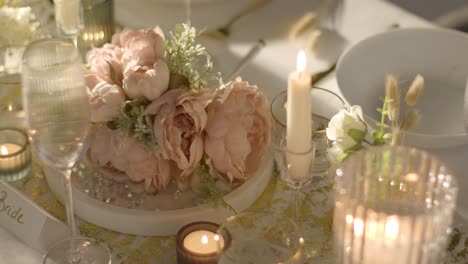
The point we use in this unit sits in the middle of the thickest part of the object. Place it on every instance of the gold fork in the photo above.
(225, 30)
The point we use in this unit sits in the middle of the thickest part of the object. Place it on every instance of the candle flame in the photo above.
(204, 239)
(216, 237)
(301, 61)
(391, 228)
(10, 107)
(4, 150)
(358, 227)
(411, 177)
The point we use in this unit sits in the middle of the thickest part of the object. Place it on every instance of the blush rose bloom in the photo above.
(179, 121)
(102, 62)
(125, 154)
(143, 81)
(105, 101)
(238, 131)
(145, 46)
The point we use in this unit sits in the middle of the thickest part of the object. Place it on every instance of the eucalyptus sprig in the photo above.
(184, 56)
(206, 187)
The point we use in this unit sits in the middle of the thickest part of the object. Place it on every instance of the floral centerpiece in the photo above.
(161, 115)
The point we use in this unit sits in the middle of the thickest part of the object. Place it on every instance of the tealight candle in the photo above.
(15, 155)
(198, 243)
(203, 242)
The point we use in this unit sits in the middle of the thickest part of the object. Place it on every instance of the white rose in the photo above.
(347, 128)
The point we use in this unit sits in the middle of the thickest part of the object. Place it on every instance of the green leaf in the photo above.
(357, 135)
(206, 187)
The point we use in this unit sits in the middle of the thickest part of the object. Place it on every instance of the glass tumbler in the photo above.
(393, 205)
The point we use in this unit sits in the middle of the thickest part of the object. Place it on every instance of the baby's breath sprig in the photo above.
(183, 56)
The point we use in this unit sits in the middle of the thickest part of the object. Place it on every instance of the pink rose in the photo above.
(178, 124)
(105, 101)
(125, 154)
(102, 62)
(145, 46)
(238, 131)
(149, 82)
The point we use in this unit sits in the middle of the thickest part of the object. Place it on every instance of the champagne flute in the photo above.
(57, 114)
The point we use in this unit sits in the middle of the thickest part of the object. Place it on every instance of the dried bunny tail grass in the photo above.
(308, 20)
(313, 39)
(392, 92)
(411, 120)
(415, 90)
(396, 136)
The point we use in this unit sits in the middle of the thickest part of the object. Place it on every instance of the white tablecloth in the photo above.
(360, 19)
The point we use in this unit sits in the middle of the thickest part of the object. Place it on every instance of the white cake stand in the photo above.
(159, 222)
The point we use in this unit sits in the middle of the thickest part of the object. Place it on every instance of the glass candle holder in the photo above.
(15, 155)
(98, 24)
(325, 104)
(393, 205)
(198, 243)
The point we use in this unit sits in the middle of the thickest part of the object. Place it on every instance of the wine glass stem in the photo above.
(295, 204)
(69, 203)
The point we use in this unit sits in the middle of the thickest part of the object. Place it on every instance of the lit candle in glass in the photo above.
(15, 155)
(299, 119)
(393, 204)
(199, 243)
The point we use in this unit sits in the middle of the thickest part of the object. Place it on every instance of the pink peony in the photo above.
(145, 46)
(238, 131)
(105, 102)
(149, 82)
(127, 155)
(179, 121)
(103, 61)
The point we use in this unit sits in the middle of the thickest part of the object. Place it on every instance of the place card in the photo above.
(27, 221)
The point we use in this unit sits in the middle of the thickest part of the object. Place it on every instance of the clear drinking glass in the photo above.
(260, 237)
(393, 205)
(325, 104)
(57, 114)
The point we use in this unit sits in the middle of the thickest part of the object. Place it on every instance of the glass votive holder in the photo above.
(325, 104)
(199, 243)
(15, 155)
(393, 205)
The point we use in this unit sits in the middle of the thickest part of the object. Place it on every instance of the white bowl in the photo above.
(440, 55)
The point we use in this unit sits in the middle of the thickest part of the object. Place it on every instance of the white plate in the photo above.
(159, 222)
(440, 55)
